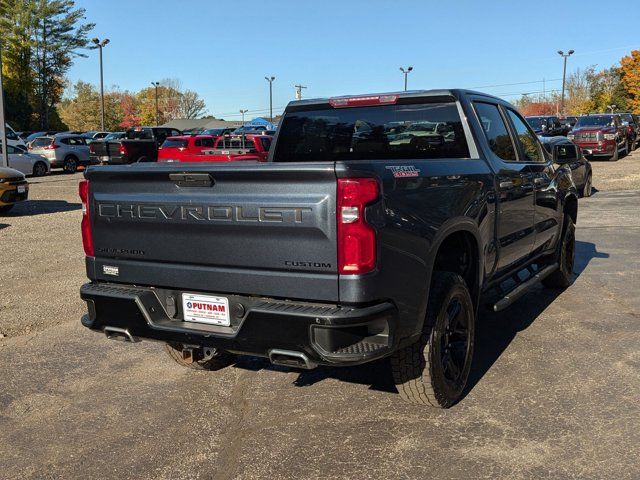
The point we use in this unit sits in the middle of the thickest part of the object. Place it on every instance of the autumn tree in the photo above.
(630, 79)
(191, 105)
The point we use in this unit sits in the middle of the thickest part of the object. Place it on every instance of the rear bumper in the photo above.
(326, 334)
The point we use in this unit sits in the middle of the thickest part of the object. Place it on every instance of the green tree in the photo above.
(40, 39)
(82, 110)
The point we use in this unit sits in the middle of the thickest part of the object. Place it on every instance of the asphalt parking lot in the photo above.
(554, 392)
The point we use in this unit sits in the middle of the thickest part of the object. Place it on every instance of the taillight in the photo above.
(87, 238)
(123, 149)
(356, 239)
(51, 146)
(92, 148)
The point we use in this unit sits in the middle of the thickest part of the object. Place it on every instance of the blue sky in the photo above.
(223, 50)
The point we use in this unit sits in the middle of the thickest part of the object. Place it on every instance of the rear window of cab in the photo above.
(380, 132)
(174, 143)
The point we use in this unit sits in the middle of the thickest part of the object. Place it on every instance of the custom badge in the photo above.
(403, 171)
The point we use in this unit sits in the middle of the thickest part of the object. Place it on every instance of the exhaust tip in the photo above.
(122, 334)
(289, 358)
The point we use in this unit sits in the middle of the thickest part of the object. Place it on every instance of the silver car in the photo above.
(63, 151)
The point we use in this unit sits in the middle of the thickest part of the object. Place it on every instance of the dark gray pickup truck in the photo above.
(372, 231)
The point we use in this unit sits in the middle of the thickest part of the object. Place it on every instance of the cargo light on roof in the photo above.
(343, 102)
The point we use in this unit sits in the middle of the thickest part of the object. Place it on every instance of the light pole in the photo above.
(156, 85)
(270, 80)
(611, 107)
(243, 112)
(4, 159)
(564, 75)
(100, 45)
(406, 73)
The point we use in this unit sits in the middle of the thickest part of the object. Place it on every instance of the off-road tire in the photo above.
(563, 276)
(39, 169)
(418, 370)
(588, 185)
(70, 164)
(219, 361)
(615, 156)
(5, 209)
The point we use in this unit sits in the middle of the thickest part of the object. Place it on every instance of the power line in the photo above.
(519, 83)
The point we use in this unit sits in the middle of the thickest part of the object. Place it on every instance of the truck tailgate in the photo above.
(237, 228)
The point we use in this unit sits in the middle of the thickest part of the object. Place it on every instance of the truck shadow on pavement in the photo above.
(42, 207)
(494, 333)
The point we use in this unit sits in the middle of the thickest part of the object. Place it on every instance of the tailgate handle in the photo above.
(192, 179)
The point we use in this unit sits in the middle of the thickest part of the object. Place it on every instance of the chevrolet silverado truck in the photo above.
(346, 246)
(140, 144)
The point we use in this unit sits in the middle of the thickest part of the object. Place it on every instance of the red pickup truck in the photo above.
(224, 149)
(178, 148)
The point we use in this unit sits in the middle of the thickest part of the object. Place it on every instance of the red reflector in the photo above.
(87, 237)
(123, 149)
(343, 102)
(356, 239)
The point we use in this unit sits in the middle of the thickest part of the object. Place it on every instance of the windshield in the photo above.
(535, 122)
(595, 121)
(627, 117)
(114, 136)
(381, 132)
(213, 131)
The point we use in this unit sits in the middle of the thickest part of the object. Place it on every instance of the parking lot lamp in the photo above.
(270, 80)
(406, 73)
(243, 112)
(611, 107)
(4, 160)
(100, 45)
(156, 85)
(564, 75)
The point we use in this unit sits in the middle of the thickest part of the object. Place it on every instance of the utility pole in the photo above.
(406, 73)
(4, 159)
(564, 76)
(299, 91)
(270, 80)
(100, 45)
(243, 112)
(157, 84)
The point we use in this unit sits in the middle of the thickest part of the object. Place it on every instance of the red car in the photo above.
(601, 135)
(180, 147)
(225, 149)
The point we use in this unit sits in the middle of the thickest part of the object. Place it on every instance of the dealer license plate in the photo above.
(205, 309)
(104, 158)
(22, 188)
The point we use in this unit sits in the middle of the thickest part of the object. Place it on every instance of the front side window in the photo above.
(380, 132)
(527, 139)
(496, 131)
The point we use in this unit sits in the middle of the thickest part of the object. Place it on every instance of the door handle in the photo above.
(506, 184)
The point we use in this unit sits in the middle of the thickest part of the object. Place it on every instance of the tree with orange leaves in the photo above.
(630, 77)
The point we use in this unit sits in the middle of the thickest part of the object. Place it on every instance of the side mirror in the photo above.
(565, 153)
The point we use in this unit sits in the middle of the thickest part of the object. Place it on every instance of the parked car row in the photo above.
(608, 135)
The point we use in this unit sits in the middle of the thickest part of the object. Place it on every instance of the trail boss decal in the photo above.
(403, 171)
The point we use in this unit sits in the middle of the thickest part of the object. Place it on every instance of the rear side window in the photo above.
(204, 142)
(77, 141)
(381, 132)
(527, 138)
(496, 131)
(174, 143)
(41, 142)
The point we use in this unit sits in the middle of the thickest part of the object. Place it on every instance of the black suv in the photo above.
(547, 126)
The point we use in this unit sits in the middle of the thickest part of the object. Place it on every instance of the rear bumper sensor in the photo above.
(296, 334)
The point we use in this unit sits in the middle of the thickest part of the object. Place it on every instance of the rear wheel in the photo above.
(434, 370)
(39, 169)
(70, 164)
(213, 359)
(566, 256)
